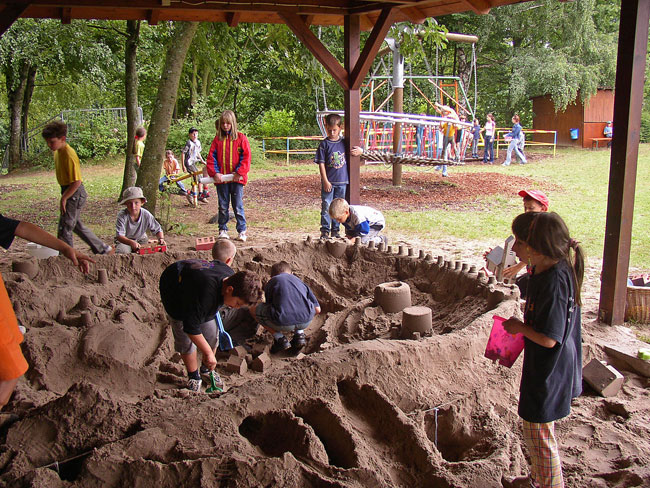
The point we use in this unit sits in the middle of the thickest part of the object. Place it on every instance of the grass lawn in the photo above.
(579, 179)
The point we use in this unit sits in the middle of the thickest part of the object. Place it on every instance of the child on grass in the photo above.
(133, 222)
(333, 168)
(172, 169)
(552, 371)
(73, 193)
(290, 307)
(138, 146)
(359, 221)
(191, 155)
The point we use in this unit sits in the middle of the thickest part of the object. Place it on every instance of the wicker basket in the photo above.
(637, 306)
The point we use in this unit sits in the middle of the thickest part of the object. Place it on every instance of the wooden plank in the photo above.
(320, 52)
(153, 16)
(630, 70)
(352, 102)
(9, 14)
(66, 15)
(370, 49)
(233, 18)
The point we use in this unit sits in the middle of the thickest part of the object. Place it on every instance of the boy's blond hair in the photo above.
(224, 250)
(333, 119)
(338, 207)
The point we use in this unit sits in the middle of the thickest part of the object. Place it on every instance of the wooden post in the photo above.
(630, 69)
(352, 33)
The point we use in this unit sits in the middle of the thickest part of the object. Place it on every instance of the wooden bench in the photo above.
(596, 140)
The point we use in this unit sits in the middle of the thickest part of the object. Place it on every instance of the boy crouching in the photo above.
(290, 307)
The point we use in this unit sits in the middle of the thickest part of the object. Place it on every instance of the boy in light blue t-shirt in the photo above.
(330, 158)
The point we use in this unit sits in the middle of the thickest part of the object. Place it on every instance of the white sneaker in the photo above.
(224, 234)
(242, 236)
(194, 385)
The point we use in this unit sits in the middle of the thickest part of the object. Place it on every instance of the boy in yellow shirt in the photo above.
(73, 193)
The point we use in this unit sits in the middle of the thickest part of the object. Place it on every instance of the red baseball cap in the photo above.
(536, 195)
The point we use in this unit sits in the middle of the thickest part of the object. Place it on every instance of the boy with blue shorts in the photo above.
(290, 307)
(330, 158)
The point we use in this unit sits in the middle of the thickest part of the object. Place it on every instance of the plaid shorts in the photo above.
(546, 468)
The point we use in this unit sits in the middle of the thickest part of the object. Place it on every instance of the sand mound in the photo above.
(103, 397)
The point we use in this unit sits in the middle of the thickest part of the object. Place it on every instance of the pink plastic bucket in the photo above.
(503, 346)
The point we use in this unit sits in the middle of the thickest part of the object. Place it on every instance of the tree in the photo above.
(131, 98)
(161, 117)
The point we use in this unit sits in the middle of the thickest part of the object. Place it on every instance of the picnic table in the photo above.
(596, 140)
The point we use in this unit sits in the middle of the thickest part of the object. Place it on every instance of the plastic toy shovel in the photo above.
(503, 346)
(213, 384)
(225, 341)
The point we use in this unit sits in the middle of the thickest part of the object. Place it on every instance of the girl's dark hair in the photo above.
(247, 286)
(547, 234)
(139, 132)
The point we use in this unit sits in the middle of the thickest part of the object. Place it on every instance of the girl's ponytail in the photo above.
(578, 266)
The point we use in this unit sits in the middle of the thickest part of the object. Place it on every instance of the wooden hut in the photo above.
(589, 119)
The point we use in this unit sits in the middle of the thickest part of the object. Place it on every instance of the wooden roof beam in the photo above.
(414, 14)
(320, 52)
(233, 18)
(479, 6)
(153, 16)
(10, 14)
(66, 15)
(370, 49)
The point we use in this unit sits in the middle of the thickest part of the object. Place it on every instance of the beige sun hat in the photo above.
(131, 193)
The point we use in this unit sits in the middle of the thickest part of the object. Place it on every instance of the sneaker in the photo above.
(109, 251)
(223, 234)
(203, 200)
(298, 341)
(204, 371)
(194, 385)
(279, 345)
(190, 198)
(336, 235)
(242, 236)
(22, 329)
(505, 164)
(324, 235)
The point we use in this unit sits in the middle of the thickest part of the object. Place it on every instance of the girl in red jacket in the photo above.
(228, 163)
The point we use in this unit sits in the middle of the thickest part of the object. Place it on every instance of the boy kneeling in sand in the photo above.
(133, 222)
(192, 291)
(290, 307)
(359, 221)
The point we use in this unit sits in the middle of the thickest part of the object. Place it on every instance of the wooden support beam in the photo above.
(479, 6)
(10, 14)
(370, 49)
(414, 14)
(630, 70)
(232, 19)
(320, 52)
(307, 19)
(153, 16)
(66, 15)
(352, 102)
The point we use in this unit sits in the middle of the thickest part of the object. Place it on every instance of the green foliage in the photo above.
(275, 123)
(97, 137)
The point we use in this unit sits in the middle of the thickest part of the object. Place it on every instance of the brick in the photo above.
(261, 348)
(261, 362)
(605, 379)
(152, 249)
(239, 351)
(205, 243)
(236, 364)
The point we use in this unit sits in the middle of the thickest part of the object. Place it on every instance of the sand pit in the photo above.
(361, 407)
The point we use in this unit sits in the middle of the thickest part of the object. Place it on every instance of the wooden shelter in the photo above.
(378, 16)
(589, 118)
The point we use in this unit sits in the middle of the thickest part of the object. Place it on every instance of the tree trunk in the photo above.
(154, 150)
(15, 97)
(27, 99)
(194, 84)
(131, 99)
(206, 79)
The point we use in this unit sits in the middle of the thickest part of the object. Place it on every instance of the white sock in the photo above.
(278, 335)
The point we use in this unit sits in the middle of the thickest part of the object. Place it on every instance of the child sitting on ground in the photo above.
(359, 221)
(133, 222)
(290, 307)
(172, 169)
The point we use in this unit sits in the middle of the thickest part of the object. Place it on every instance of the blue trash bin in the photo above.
(574, 134)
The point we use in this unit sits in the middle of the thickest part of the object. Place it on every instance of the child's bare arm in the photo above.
(327, 186)
(515, 326)
(513, 270)
(69, 191)
(135, 245)
(356, 151)
(35, 234)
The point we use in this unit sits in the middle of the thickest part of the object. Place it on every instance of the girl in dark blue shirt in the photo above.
(552, 370)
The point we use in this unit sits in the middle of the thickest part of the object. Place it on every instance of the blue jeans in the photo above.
(263, 315)
(338, 191)
(231, 192)
(514, 146)
(488, 151)
(475, 147)
(164, 179)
